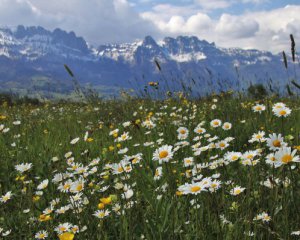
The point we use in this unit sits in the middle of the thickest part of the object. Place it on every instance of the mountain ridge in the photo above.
(37, 53)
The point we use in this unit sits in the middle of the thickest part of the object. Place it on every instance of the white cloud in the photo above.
(99, 21)
(265, 30)
(214, 4)
(104, 21)
(236, 26)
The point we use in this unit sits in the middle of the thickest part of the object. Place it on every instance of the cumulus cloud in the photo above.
(108, 21)
(99, 21)
(236, 26)
(214, 4)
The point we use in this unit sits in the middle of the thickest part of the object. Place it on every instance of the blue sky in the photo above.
(260, 24)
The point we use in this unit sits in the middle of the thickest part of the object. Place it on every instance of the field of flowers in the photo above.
(219, 168)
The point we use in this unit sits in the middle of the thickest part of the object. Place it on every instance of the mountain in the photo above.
(32, 60)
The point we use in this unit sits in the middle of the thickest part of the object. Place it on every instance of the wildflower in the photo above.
(41, 235)
(163, 154)
(285, 155)
(263, 217)
(188, 161)
(237, 190)
(75, 140)
(101, 213)
(215, 123)
(125, 136)
(158, 173)
(199, 130)
(7, 196)
(23, 167)
(63, 227)
(43, 184)
(77, 186)
(275, 142)
(259, 108)
(258, 137)
(227, 126)
(193, 188)
(282, 112)
(232, 156)
(66, 236)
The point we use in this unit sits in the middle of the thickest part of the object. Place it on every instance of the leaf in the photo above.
(69, 70)
(297, 85)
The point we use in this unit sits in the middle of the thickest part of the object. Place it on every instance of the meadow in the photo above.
(223, 167)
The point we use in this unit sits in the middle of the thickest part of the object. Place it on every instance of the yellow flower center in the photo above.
(287, 158)
(222, 144)
(163, 154)
(79, 187)
(234, 158)
(276, 143)
(237, 191)
(282, 112)
(182, 131)
(195, 189)
(200, 130)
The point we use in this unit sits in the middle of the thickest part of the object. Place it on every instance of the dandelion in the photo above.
(66, 236)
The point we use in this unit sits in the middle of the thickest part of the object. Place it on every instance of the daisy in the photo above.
(43, 184)
(232, 156)
(41, 235)
(74, 141)
(263, 216)
(199, 130)
(278, 105)
(215, 123)
(227, 126)
(77, 186)
(188, 161)
(7, 196)
(163, 154)
(275, 142)
(23, 167)
(63, 227)
(237, 190)
(259, 108)
(282, 112)
(158, 173)
(101, 213)
(258, 137)
(285, 155)
(193, 188)
(125, 136)
(270, 159)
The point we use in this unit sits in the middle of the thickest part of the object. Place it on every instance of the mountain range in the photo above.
(32, 60)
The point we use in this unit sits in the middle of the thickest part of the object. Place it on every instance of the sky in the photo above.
(248, 24)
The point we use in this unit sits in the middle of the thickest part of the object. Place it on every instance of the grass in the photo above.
(139, 205)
